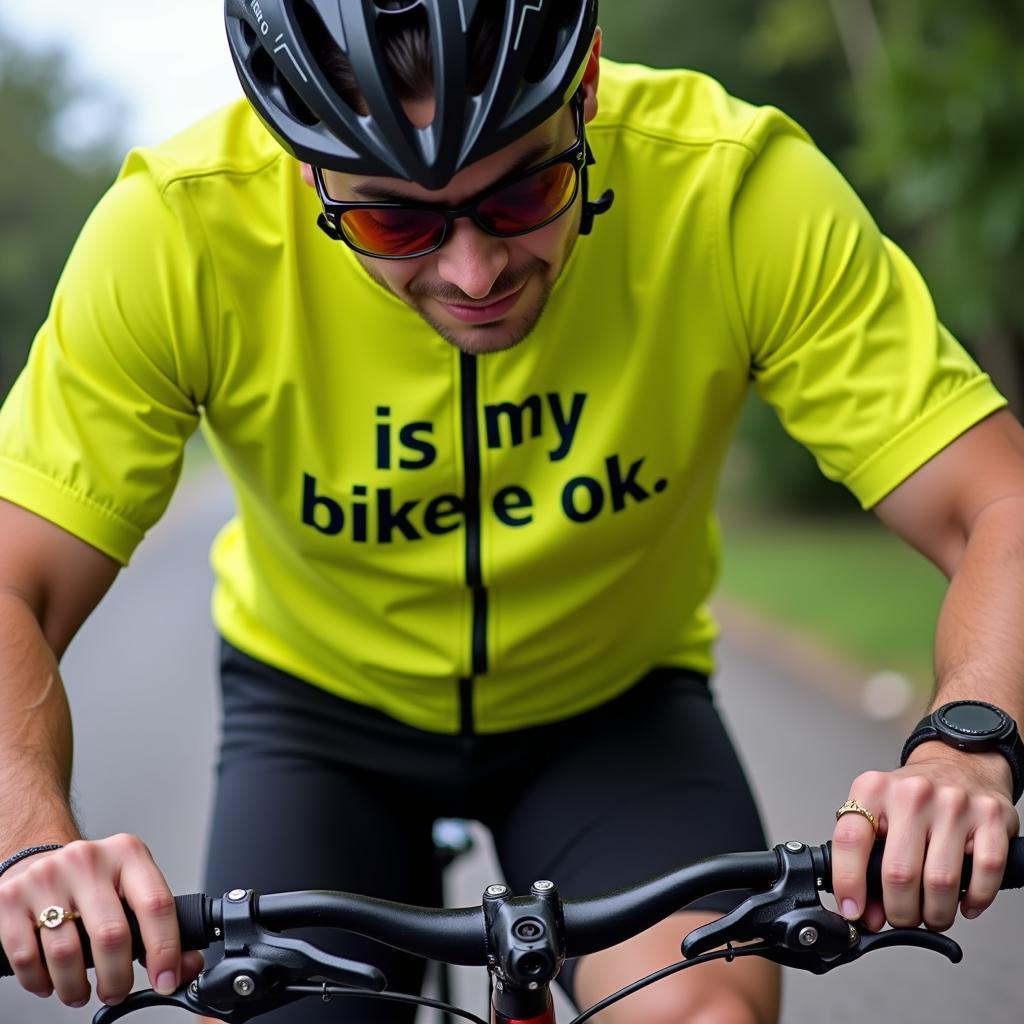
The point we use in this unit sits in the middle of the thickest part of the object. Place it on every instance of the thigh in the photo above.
(745, 991)
(652, 786)
(285, 821)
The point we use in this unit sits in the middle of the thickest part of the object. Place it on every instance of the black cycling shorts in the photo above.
(315, 792)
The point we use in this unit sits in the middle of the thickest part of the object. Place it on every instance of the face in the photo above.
(481, 293)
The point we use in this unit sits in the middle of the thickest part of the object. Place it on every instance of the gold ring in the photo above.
(54, 917)
(852, 807)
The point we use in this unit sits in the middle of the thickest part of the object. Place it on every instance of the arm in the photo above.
(50, 581)
(964, 510)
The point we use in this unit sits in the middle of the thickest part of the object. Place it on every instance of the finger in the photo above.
(852, 841)
(991, 846)
(20, 942)
(903, 860)
(874, 916)
(62, 951)
(191, 964)
(111, 942)
(93, 892)
(944, 860)
(146, 892)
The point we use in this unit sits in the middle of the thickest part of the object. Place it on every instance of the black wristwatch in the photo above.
(973, 726)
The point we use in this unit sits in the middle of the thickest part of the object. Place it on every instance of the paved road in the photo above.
(141, 683)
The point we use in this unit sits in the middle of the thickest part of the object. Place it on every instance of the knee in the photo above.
(719, 1006)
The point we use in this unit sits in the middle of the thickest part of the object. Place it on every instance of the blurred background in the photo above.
(919, 102)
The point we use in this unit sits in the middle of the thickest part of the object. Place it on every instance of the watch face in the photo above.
(973, 719)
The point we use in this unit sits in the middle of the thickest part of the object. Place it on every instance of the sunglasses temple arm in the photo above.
(328, 228)
(598, 206)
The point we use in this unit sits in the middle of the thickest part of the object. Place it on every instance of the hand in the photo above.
(92, 878)
(941, 805)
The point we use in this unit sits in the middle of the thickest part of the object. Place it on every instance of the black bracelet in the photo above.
(30, 851)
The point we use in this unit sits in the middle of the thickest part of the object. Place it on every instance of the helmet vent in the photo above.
(553, 40)
(278, 89)
(329, 55)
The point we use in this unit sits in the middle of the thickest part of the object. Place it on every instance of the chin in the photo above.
(486, 338)
(483, 339)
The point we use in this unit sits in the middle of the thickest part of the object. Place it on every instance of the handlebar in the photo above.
(458, 936)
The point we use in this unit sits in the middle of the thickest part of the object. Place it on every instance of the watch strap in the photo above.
(1012, 750)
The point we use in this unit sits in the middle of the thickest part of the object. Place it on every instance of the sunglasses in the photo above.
(517, 205)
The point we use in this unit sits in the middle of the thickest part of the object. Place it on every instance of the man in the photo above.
(475, 461)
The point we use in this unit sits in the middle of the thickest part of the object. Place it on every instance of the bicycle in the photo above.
(522, 940)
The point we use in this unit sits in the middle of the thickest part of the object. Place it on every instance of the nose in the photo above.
(471, 259)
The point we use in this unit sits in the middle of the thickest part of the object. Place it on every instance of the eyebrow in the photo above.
(383, 194)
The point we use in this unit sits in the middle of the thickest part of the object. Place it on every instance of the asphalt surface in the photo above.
(141, 683)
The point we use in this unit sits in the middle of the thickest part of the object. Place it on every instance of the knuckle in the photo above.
(81, 855)
(899, 875)
(848, 836)
(941, 880)
(62, 952)
(868, 784)
(156, 903)
(989, 809)
(163, 951)
(110, 936)
(23, 958)
(126, 845)
(989, 863)
(916, 790)
(952, 800)
(45, 871)
(11, 896)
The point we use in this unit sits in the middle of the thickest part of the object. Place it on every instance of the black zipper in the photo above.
(474, 570)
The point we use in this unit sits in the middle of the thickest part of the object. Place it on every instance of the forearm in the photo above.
(35, 735)
(979, 641)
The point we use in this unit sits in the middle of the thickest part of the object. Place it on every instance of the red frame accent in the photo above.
(548, 1017)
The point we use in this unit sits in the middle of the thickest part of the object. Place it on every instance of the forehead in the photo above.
(531, 149)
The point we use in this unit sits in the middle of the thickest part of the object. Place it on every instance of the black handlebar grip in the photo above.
(1013, 878)
(194, 922)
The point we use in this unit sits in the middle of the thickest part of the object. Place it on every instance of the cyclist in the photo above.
(474, 460)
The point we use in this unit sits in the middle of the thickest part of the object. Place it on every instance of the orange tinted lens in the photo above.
(528, 203)
(392, 232)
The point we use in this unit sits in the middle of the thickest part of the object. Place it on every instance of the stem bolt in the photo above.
(236, 895)
(244, 985)
(543, 885)
(794, 847)
(808, 936)
(496, 890)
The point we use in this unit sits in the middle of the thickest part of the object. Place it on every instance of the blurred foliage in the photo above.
(44, 196)
(941, 117)
(736, 42)
(921, 104)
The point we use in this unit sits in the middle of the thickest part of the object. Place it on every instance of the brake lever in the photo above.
(866, 942)
(260, 971)
(795, 930)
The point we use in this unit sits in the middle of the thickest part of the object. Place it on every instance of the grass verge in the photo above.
(853, 585)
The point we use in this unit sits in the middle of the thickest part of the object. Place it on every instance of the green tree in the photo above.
(45, 191)
(942, 137)
(938, 90)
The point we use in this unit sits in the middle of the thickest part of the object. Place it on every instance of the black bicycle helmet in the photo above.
(278, 47)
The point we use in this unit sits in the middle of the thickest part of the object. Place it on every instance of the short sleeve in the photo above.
(843, 335)
(92, 434)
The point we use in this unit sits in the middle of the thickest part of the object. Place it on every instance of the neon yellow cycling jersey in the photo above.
(479, 543)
